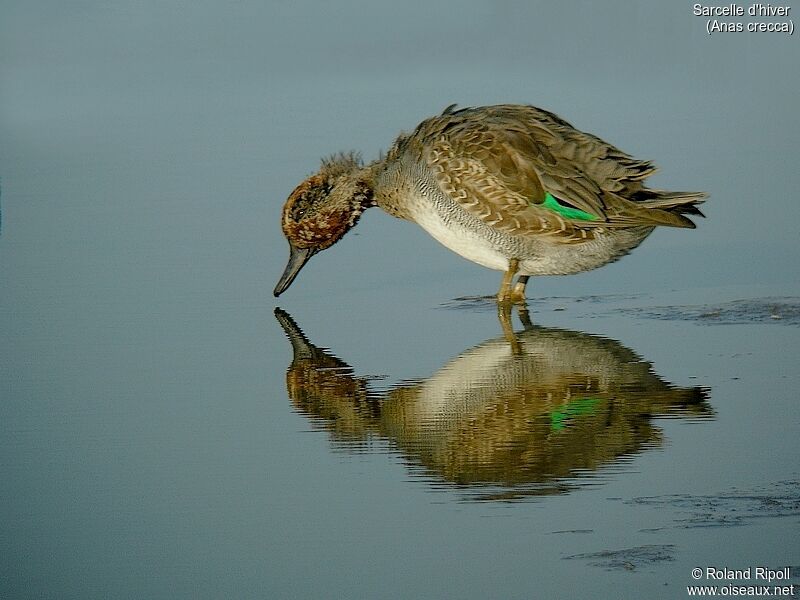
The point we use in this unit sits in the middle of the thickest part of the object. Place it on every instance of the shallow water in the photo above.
(169, 430)
(540, 411)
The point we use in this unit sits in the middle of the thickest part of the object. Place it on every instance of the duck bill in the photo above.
(297, 258)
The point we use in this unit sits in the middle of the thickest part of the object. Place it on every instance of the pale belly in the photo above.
(461, 240)
(424, 203)
(537, 256)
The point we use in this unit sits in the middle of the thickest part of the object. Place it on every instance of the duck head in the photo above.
(321, 210)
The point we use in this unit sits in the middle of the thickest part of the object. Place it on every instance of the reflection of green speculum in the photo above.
(575, 408)
(566, 211)
(529, 424)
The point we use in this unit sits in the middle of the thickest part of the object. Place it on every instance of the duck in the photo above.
(514, 188)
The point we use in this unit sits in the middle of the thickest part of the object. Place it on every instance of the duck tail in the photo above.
(653, 207)
(682, 203)
(674, 205)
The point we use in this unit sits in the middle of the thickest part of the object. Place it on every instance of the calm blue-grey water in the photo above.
(166, 433)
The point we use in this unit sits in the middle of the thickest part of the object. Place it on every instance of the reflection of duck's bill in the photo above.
(300, 344)
(515, 424)
(297, 258)
(287, 322)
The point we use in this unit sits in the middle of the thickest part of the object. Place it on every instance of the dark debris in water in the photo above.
(782, 310)
(557, 303)
(602, 298)
(479, 303)
(732, 508)
(573, 531)
(482, 303)
(628, 559)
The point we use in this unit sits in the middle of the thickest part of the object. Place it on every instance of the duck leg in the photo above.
(518, 291)
(504, 314)
(505, 293)
(525, 316)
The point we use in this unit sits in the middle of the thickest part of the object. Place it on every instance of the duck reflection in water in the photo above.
(533, 412)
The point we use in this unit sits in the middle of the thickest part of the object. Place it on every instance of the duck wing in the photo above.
(528, 172)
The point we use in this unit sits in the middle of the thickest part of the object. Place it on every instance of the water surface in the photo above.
(164, 435)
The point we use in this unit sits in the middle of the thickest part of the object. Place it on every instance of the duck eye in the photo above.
(299, 209)
(308, 202)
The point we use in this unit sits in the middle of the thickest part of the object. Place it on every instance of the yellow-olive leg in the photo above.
(504, 315)
(504, 295)
(518, 292)
(524, 316)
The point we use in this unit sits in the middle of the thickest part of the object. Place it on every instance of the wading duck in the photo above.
(510, 187)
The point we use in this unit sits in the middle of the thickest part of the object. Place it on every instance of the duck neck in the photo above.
(363, 196)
